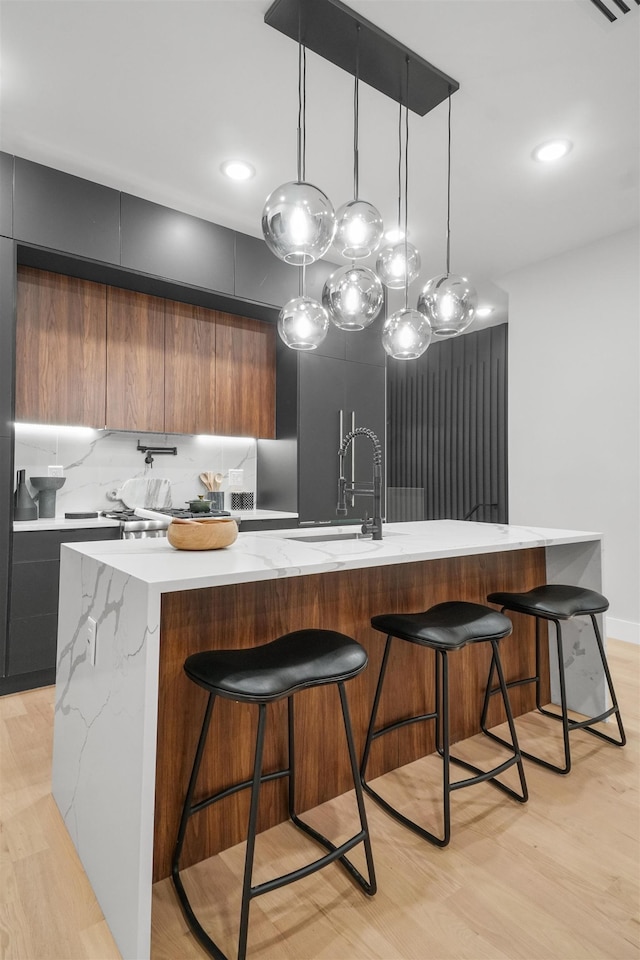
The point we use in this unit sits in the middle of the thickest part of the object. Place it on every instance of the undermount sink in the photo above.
(327, 537)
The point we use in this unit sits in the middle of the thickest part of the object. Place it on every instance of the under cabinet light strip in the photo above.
(54, 428)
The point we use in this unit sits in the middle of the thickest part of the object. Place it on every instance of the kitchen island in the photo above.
(126, 717)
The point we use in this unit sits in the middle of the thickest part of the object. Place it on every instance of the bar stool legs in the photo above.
(249, 892)
(442, 736)
(567, 723)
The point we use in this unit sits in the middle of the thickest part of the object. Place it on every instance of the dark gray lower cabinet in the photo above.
(333, 396)
(33, 611)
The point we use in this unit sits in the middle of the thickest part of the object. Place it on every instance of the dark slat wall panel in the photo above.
(448, 430)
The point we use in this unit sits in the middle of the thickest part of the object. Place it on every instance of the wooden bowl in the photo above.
(202, 534)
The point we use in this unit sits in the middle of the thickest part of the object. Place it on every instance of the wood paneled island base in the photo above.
(247, 614)
(125, 725)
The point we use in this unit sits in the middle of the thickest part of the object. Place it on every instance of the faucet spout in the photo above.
(374, 525)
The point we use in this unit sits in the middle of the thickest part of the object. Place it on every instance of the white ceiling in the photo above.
(150, 97)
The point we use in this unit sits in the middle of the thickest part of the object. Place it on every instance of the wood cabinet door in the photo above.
(245, 377)
(135, 361)
(190, 368)
(60, 349)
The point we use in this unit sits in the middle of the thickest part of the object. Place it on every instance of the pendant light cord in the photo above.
(302, 112)
(356, 118)
(302, 133)
(449, 189)
(399, 165)
(406, 192)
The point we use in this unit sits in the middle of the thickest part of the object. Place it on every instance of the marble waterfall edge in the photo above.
(104, 748)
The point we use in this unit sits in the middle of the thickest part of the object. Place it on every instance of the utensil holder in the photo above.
(217, 499)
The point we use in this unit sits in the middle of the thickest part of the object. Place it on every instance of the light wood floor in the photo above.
(558, 877)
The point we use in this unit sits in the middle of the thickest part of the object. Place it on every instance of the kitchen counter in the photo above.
(118, 773)
(275, 554)
(60, 523)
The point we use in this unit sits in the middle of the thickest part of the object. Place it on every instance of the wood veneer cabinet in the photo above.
(101, 356)
(60, 349)
(245, 377)
(135, 361)
(190, 368)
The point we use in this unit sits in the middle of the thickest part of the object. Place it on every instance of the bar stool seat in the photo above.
(444, 628)
(558, 602)
(262, 675)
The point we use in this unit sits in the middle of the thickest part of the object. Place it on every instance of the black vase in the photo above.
(24, 504)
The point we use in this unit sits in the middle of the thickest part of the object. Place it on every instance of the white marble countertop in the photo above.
(257, 514)
(60, 523)
(273, 554)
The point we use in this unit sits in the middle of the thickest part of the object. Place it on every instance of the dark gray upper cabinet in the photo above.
(176, 246)
(260, 275)
(56, 210)
(6, 195)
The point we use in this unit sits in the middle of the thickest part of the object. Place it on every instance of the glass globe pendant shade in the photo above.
(353, 296)
(392, 267)
(298, 222)
(406, 334)
(449, 303)
(359, 230)
(303, 323)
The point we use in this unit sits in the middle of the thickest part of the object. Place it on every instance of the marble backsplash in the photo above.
(96, 463)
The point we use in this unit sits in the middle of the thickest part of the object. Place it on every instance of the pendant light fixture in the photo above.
(298, 224)
(399, 262)
(448, 301)
(298, 220)
(359, 224)
(353, 294)
(303, 323)
(406, 334)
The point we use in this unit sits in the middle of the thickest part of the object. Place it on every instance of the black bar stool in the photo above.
(262, 675)
(445, 628)
(558, 602)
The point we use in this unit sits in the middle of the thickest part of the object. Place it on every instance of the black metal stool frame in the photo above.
(335, 852)
(567, 723)
(441, 717)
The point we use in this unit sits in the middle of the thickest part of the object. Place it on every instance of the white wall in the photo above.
(574, 432)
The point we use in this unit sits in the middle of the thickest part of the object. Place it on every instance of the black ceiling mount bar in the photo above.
(330, 29)
(608, 13)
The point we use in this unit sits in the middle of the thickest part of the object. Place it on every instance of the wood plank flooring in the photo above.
(556, 878)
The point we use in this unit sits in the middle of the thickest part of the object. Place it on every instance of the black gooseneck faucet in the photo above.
(372, 526)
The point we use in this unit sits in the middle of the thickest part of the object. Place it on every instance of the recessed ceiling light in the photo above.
(483, 312)
(238, 169)
(552, 150)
